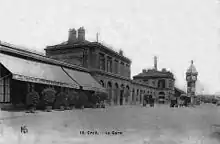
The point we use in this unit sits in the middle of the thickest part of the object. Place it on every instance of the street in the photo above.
(118, 125)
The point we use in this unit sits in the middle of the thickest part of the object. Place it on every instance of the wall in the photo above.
(168, 90)
(119, 68)
(72, 56)
(117, 81)
(113, 85)
(135, 90)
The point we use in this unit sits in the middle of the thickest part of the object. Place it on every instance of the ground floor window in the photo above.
(4, 90)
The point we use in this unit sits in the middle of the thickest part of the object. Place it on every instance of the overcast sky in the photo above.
(176, 31)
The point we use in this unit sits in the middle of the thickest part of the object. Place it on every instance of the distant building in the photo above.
(163, 82)
(110, 68)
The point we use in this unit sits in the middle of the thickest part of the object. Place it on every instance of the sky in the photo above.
(176, 31)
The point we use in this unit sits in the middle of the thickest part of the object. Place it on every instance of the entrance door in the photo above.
(19, 92)
(121, 97)
(161, 97)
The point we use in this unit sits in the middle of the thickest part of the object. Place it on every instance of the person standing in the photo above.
(173, 101)
(82, 98)
(145, 101)
(151, 101)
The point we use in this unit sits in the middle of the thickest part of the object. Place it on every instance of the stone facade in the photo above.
(110, 68)
(162, 81)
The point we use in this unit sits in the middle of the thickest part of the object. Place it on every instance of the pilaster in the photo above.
(97, 60)
(119, 67)
(106, 62)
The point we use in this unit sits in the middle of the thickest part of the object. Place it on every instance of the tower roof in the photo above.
(192, 69)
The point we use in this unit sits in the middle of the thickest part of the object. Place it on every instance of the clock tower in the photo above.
(191, 78)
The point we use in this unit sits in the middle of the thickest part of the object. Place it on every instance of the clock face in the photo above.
(193, 77)
(189, 78)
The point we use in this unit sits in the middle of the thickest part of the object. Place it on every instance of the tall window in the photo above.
(127, 70)
(5, 89)
(189, 84)
(153, 83)
(109, 64)
(170, 84)
(137, 95)
(122, 69)
(101, 61)
(146, 81)
(162, 84)
(85, 58)
(116, 66)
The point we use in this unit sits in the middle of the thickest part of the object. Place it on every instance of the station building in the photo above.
(21, 70)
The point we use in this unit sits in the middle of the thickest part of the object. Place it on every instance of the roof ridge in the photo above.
(41, 57)
(21, 48)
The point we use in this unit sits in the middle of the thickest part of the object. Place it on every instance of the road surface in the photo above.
(118, 125)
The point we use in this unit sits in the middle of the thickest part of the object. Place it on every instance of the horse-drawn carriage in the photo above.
(184, 100)
(148, 99)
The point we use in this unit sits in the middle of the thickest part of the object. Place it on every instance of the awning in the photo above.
(36, 72)
(85, 80)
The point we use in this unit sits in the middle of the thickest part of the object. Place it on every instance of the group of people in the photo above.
(148, 99)
(183, 101)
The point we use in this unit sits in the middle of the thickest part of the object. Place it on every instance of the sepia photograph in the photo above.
(109, 72)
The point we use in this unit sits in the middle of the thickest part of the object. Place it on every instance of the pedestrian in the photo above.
(176, 102)
(93, 99)
(173, 101)
(82, 99)
(145, 101)
(148, 99)
(151, 101)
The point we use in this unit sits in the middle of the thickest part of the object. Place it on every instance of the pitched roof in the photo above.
(155, 74)
(86, 43)
(66, 43)
(192, 69)
(179, 90)
(37, 56)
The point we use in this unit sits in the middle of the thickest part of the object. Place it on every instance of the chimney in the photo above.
(81, 34)
(155, 62)
(72, 36)
(164, 70)
(121, 52)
